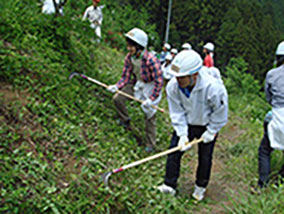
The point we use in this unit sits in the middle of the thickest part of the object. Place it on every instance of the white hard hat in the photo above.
(139, 36)
(209, 46)
(187, 62)
(167, 46)
(169, 57)
(174, 51)
(186, 46)
(280, 49)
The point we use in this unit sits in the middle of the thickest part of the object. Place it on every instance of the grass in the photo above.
(59, 136)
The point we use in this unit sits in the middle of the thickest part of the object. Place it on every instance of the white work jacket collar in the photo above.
(200, 83)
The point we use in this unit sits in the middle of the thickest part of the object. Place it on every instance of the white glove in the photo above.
(208, 137)
(112, 88)
(147, 103)
(182, 141)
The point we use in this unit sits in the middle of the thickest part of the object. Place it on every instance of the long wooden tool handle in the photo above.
(140, 101)
(195, 141)
(120, 92)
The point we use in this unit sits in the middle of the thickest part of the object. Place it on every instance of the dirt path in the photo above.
(219, 187)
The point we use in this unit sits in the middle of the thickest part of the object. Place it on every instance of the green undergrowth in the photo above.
(58, 136)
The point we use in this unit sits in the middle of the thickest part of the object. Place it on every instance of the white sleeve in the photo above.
(85, 16)
(218, 101)
(101, 17)
(267, 88)
(177, 112)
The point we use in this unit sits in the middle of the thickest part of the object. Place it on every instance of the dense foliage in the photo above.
(248, 29)
(58, 136)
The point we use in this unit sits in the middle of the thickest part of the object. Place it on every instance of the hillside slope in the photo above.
(58, 136)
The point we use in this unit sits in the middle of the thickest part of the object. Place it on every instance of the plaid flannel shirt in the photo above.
(150, 71)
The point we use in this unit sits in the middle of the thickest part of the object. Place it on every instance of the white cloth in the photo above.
(207, 105)
(214, 72)
(48, 7)
(165, 69)
(143, 91)
(95, 16)
(276, 129)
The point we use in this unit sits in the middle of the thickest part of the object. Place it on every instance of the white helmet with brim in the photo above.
(209, 46)
(280, 49)
(187, 62)
(139, 36)
(169, 57)
(186, 46)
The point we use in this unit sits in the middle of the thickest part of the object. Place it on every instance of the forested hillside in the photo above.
(58, 136)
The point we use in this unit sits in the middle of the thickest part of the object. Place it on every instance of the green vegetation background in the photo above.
(58, 136)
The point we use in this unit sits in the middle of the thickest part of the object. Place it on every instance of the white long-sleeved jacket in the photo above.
(48, 7)
(94, 15)
(206, 106)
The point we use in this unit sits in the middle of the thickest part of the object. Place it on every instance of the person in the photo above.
(95, 15)
(273, 138)
(141, 77)
(208, 50)
(165, 52)
(186, 46)
(174, 52)
(198, 107)
(49, 7)
(215, 72)
(165, 67)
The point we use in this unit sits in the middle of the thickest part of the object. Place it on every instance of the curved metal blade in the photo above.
(73, 74)
(105, 177)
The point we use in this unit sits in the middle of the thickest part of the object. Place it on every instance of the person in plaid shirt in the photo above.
(141, 77)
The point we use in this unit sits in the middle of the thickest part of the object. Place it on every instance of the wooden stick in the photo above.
(120, 92)
(177, 148)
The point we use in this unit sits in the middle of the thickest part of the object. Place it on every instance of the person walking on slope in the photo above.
(274, 126)
(165, 52)
(198, 106)
(174, 52)
(208, 50)
(95, 15)
(141, 77)
(49, 7)
(165, 67)
(186, 46)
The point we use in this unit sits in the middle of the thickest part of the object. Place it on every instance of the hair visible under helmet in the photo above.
(137, 38)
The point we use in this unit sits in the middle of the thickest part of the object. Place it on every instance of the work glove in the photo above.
(112, 88)
(147, 103)
(208, 136)
(182, 142)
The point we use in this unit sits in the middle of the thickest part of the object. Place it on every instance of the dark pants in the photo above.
(205, 153)
(264, 155)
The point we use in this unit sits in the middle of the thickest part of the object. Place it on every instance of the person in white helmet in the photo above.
(273, 138)
(49, 7)
(186, 46)
(208, 50)
(95, 16)
(165, 52)
(165, 67)
(215, 72)
(142, 77)
(198, 106)
(174, 52)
